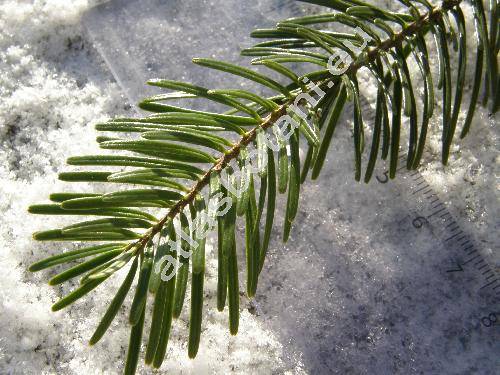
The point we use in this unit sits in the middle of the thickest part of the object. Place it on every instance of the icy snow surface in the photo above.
(356, 290)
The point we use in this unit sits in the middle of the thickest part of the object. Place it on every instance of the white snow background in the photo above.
(352, 292)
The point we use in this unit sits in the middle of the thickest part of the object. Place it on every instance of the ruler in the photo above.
(427, 209)
(463, 287)
(425, 206)
(430, 210)
(467, 264)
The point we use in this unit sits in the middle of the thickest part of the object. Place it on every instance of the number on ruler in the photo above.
(489, 320)
(419, 222)
(384, 179)
(458, 269)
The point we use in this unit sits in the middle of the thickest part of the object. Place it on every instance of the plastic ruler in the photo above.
(425, 219)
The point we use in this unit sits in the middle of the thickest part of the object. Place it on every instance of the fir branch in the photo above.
(161, 164)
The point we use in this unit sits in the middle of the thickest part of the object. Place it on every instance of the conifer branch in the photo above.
(173, 139)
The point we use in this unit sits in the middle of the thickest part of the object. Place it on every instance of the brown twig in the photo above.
(269, 121)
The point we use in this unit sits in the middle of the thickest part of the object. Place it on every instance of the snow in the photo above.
(355, 290)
